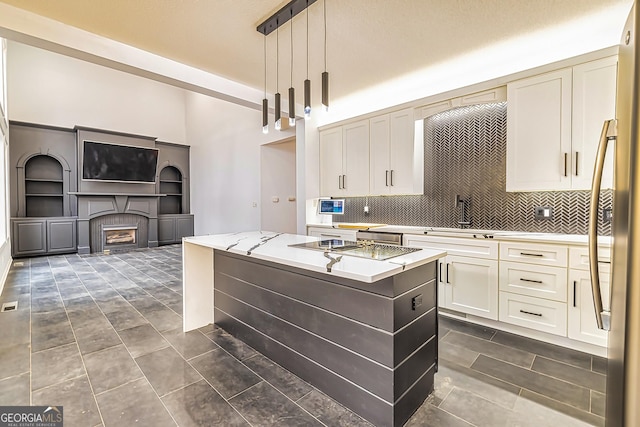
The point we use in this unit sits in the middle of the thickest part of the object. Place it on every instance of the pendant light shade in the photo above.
(292, 106)
(325, 74)
(278, 121)
(325, 91)
(278, 113)
(307, 99)
(265, 116)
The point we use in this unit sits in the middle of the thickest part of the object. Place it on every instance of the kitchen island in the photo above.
(363, 331)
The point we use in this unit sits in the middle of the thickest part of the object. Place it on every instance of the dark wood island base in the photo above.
(373, 347)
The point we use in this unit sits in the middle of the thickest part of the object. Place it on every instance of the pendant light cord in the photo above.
(292, 48)
(324, 14)
(265, 67)
(307, 11)
(277, 57)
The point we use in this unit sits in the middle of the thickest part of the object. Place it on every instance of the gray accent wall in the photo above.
(465, 154)
(52, 207)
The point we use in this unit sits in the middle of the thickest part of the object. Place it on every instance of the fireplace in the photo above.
(118, 237)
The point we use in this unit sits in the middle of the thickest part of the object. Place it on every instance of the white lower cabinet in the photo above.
(582, 318)
(468, 276)
(469, 285)
(534, 280)
(535, 313)
(533, 286)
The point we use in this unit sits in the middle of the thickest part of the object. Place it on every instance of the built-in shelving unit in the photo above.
(44, 195)
(171, 185)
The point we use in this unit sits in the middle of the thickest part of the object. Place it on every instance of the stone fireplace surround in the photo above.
(125, 209)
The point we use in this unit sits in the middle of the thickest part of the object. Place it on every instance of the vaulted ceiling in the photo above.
(368, 41)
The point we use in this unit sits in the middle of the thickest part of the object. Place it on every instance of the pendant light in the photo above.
(307, 82)
(325, 74)
(265, 101)
(292, 91)
(278, 125)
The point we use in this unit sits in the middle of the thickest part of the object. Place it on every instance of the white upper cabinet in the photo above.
(344, 160)
(594, 101)
(553, 126)
(396, 155)
(378, 156)
(539, 132)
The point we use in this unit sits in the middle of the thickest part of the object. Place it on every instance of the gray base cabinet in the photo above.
(172, 228)
(42, 236)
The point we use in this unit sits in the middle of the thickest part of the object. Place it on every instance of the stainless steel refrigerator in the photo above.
(623, 318)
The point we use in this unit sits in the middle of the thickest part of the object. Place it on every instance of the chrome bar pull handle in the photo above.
(386, 178)
(607, 133)
(392, 177)
(566, 155)
(577, 167)
(344, 182)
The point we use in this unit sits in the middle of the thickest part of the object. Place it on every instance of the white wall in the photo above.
(278, 180)
(225, 144)
(52, 89)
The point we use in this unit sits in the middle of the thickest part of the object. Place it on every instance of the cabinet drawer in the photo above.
(331, 233)
(579, 256)
(476, 248)
(534, 253)
(535, 313)
(534, 280)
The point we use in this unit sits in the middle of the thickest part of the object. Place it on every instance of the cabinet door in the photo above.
(331, 170)
(61, 236)
(594, 101)
(379, 155)
(29, 237)
(404, 177)
(539, 132)
(471, 286)
(355, 160)
(184, 227)
(166, 230)
(582, 324)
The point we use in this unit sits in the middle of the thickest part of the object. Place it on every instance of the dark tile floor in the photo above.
(101, 335)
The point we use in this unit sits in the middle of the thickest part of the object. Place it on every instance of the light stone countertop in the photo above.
(500, 235)
(274, 247)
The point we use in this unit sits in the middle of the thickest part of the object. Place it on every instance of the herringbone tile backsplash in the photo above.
(465, 154)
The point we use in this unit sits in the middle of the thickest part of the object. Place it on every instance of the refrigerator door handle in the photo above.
(608, 132)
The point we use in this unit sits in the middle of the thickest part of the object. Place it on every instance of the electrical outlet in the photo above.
(544, 212)
(607, 215)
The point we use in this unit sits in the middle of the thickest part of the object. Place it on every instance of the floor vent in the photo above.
(9, 306)
(18, 264)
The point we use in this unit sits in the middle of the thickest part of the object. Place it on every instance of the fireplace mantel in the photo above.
(93, 205)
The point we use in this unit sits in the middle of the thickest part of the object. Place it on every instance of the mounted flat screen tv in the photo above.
(123, 163)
